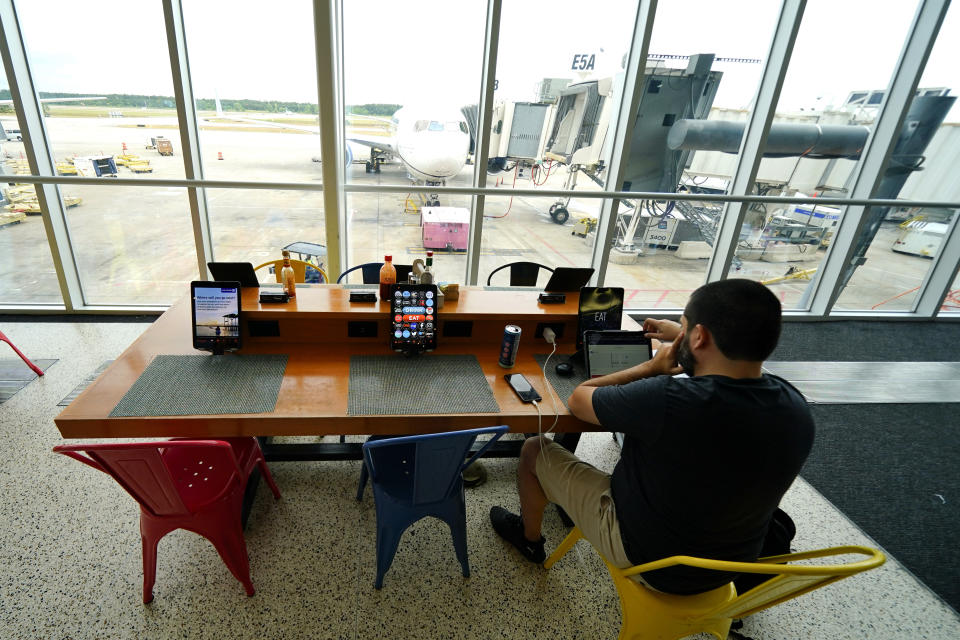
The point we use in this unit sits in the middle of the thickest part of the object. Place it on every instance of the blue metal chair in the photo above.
(371, 272)
(418, 476)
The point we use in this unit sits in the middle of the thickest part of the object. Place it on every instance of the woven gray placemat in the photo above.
(427, 384)
(205, 385)
(563, 386)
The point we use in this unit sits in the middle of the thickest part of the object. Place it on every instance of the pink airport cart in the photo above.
(445, 227)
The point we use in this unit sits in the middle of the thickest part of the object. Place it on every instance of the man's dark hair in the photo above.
(742, 315)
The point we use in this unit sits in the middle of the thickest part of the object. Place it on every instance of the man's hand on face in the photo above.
(665, 360)
(665, 330)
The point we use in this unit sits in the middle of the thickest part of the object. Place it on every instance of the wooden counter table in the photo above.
(319, 331)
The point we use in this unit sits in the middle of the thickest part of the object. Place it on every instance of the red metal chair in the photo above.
(37, 370)
(197, 485)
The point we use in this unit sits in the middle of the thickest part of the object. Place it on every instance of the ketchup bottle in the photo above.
(388, 276)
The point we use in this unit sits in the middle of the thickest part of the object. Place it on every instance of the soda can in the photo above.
(509, 346)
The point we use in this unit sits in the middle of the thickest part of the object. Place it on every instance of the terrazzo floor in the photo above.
(70, 563)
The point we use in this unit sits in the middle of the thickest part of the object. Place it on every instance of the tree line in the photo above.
(209, 104)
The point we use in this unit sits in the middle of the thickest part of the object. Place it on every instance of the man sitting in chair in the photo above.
(705, 460)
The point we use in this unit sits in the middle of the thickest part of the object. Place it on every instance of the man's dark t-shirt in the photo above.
(704, 464)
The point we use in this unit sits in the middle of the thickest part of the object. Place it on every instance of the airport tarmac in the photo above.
(134, 245)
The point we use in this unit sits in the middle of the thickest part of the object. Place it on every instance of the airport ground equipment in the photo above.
(792, 274)
(9, 218)
(23, 200)
(311, 252)
(920, 238)
(96, 166)
(65, 168)
(445, 227)
(164, 146)
(583, 226)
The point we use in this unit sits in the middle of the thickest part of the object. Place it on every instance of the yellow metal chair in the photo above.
(299, 269)
(650, 614)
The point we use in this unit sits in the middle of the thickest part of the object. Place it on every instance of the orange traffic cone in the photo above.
(124, 147)
(219, 155)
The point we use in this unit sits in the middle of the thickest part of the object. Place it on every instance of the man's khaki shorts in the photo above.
(584, 493)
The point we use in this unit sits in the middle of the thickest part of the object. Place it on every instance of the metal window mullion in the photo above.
(326, 42)
(36, 144)
(189, 131)
(469, 191)
(827, 285)
(936, 285)
(755, 136)
(633, 84)
(491, 46)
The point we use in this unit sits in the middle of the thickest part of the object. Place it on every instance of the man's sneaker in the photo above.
(509, 526)
(474, 475)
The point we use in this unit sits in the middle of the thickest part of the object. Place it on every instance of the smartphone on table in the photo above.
(519, 383)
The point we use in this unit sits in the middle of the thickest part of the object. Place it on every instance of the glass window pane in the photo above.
(260, 66)
(409, 68)
(27, 275)
(671, 251)
(937, 98)
(104, 77)
(518, 229)
(951, 304)
(701, 73)
(134, 245)
(830, 98)
(255, 225)
(404, 226)
(898, 259)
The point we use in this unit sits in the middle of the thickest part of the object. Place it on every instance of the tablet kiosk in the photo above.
(215, 308)
(414, 316)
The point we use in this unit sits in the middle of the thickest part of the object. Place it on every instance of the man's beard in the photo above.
(685, 357)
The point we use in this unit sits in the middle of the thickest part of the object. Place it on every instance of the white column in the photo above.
(326, 19)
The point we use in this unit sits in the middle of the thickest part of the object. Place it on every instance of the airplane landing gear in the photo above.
(559, 214)
(373, 164)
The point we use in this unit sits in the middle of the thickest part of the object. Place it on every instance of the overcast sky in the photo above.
(416, 51)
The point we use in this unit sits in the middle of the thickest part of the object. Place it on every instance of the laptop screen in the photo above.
(611, 351)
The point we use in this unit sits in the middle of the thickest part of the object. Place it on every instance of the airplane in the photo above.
(432, 143)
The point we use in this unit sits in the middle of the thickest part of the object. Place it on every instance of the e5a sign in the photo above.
(584, 62)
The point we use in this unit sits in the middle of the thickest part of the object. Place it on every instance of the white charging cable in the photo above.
(551, 339)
